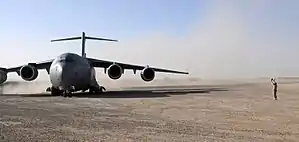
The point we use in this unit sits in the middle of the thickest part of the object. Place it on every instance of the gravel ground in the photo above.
(240, 112)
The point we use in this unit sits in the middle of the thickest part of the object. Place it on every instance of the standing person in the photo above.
(274, 88)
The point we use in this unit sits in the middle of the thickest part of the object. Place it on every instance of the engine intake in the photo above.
(115, 71)
(147, 74)
(28, 72)
(3, 76)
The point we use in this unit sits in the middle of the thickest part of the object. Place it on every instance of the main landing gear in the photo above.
(67, 93)
(57, 92)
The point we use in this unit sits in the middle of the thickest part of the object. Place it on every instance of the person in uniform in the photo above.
(274, 83)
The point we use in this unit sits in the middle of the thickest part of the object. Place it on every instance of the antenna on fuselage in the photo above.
(83, 40)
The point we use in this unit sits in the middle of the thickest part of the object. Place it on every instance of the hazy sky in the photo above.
(210, 39)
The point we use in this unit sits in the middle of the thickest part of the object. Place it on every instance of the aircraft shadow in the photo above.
(132, 93)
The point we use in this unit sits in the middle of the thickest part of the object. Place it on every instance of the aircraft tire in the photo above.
(90, 91)
(70, 94)
(65, 94)
(102, 89)
(55, 92)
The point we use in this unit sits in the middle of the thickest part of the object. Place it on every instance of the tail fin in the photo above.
(83, 39)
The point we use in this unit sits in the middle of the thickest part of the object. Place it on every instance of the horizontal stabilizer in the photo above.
(96, 38)
(83, 38)
(63, 39)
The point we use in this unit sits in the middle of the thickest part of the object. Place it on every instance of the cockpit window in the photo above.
(67, 59)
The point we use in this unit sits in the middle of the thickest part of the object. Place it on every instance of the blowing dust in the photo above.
(22, 87)
(232, 39)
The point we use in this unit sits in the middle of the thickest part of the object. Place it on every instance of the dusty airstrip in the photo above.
(162, 111)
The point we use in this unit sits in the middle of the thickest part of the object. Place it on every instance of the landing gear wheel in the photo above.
(54, 91)
(48, 89)
(102, 89)
(98, 90)
(91, 91)
(70, 94)
(67, 94)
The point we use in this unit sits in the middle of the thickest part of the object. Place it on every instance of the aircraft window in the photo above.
(67, 59)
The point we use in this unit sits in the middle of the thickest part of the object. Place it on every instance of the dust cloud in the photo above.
(232, 39)
(22, 87)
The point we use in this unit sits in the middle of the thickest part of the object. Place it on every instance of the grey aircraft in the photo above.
(70, 72)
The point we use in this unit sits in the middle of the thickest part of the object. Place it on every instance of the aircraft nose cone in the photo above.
(64, 72)
(65, 75)
(59, 68)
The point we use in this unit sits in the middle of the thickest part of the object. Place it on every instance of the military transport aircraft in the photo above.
(70, 72)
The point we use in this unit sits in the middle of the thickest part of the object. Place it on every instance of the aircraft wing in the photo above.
(106, 64)
(39, 65)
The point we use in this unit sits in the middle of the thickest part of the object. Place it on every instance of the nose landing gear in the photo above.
(54, 91)
(99, 89)
(67, 94)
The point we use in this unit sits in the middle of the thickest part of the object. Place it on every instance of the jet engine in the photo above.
(3, 76)
(115, 71)
(147, 74)
(28, 72)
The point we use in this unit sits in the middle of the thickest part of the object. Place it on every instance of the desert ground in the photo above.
(165, 110)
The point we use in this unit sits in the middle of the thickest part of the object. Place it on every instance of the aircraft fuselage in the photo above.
(71, 72)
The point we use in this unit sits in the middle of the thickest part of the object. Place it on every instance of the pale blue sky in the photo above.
(117, 18)
(209, 38)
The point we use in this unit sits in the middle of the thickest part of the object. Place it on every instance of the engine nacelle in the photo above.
(28, 72)
(147, 74)
(3, 76)
(115, 71)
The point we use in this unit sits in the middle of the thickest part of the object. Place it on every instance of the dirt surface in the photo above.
(187, 112)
